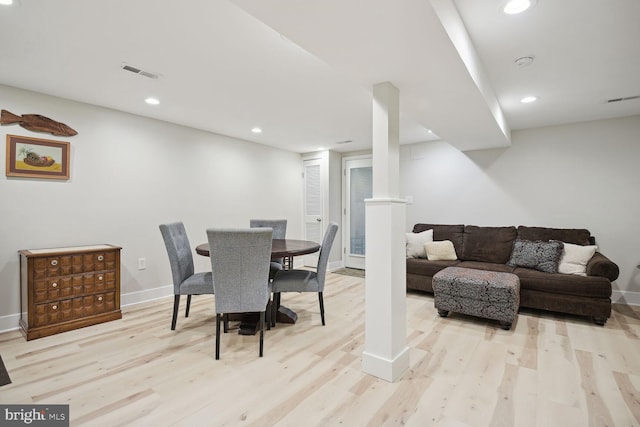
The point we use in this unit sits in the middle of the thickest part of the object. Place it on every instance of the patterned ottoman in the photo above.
(487, 294)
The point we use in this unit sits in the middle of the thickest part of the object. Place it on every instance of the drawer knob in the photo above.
(99, 277)
(54, 262)
(55, 307)
(99, 298)
(100, 257)
(54, 285)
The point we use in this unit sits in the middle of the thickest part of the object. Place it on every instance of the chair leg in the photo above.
(268, 315)
(217, 336)
(321, 306)
(176, 305)
(261, 332)
(186, 313)
(226, 322)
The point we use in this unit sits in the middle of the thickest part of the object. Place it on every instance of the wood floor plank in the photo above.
(548, 370)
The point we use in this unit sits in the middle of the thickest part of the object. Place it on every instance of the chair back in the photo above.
(240, 267)
(325, 249)
(279, 226)
(179, 251)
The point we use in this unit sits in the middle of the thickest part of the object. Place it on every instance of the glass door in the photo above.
(358, 187)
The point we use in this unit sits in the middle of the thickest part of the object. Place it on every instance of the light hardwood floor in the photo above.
(548, 370)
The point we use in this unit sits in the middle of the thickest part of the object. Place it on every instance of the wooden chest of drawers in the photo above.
(68, 288)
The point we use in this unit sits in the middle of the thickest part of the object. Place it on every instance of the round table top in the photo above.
(280, 248)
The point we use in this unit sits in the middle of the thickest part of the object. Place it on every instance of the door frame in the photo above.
(345, 221)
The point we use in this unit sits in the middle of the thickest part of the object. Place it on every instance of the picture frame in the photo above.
(37, 158)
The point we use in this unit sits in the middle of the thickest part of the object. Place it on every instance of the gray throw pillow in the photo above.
(542, 256)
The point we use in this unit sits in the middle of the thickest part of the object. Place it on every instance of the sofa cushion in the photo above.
(567, 284)
(422, 267)
(488, 244)
(486, 266)
(454, 233)
(415, 243)
(443, 250)
(577, 236)
(574, 259)
(542, 256)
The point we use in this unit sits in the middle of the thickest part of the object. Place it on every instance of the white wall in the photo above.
(584, 175)
(128, 175)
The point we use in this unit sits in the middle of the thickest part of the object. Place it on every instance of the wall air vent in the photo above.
(626, 98)
(139, 71)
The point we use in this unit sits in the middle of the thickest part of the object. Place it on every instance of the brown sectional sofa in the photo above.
(489, 248)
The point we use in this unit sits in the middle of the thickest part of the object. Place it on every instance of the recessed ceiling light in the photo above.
(152, 101)
(529, 99)
(6, 2)
(429, 131)
(256, 130)
(516, 6)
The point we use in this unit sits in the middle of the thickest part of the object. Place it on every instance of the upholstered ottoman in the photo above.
(487, 294)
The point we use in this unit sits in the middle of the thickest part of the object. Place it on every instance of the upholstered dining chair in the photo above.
(305, 280)
(240, 268)
(279, 227)
(185, 281)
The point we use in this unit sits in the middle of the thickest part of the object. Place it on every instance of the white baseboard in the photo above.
(629, 298)
(381, 367)
(147, 295)
(10, 322)
(335, 265)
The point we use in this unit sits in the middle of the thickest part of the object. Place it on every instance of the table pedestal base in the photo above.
(286, 315)
(250, 324)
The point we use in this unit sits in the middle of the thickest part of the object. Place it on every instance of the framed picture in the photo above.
(37, 158)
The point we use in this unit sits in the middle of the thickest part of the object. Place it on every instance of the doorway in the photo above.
(358, 187)
(313, 206)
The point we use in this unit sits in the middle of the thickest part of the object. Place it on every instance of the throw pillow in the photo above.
(542, 256)
(574, 259)
(440, 251)
(415, 243)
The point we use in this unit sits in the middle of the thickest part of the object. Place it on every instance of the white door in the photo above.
(358, 187)
(312, 206)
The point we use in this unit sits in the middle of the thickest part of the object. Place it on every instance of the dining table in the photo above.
(280, 248)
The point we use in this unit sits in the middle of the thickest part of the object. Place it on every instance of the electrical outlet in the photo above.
(142, 263)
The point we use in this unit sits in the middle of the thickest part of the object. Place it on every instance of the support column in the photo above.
(386, 354)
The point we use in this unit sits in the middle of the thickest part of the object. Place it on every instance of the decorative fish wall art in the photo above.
(36, 123)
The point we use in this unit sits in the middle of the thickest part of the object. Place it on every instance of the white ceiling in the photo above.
(226, 71)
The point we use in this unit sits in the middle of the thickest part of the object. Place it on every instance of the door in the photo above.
(358, 187)
(312, 206)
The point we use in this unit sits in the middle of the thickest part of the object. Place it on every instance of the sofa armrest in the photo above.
(600, 265)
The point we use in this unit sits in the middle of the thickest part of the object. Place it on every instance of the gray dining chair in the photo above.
(279, 227)
(240, 268)
(185, 281)
(305, 280)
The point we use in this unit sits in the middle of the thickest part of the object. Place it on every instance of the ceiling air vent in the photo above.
(139, 71)
(626, 98)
